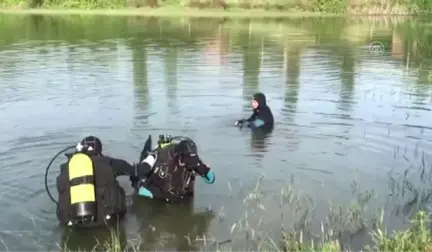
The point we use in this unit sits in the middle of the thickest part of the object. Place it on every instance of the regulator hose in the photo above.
(47, 169)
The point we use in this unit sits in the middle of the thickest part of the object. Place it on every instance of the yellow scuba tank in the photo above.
(82, 188)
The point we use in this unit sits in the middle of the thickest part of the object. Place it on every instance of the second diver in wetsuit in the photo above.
(172, 178)
(262, 115)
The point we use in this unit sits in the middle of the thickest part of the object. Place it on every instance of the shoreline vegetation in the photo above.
(169, 11)
(218, 8)
(337, 229)
(417, 237)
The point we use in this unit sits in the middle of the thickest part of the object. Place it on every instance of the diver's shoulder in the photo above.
(102, 159)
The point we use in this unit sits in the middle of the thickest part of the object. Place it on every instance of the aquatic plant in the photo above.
(416, 238)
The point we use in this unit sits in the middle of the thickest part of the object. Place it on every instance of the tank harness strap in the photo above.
(89, 179)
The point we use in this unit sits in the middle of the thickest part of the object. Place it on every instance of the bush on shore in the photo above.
(326, 6)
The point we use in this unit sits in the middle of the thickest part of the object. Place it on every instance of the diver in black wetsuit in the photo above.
(89, 193)
(173, 176)
(262, 115)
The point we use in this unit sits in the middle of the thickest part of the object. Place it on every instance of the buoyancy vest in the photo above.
(175, 182)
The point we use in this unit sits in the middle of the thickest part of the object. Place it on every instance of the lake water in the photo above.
(351, 100)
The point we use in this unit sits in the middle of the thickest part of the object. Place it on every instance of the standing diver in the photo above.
(262, 114)
(172, 178)
(89, 193)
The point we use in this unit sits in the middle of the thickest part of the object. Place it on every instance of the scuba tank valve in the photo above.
(164, 140)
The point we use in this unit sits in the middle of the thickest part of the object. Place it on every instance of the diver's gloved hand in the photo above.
(144, 192)
(240, 122)
(209, 178)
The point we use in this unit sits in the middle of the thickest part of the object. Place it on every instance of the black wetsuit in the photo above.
(262, 116)
(110, 196)
(171, 181)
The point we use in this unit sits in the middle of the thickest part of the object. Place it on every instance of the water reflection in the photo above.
(407, 39)
(140, 79)
(251, 68)
(261, 139)
(170, 77)
(347, 77)
(171, 226)
(292, 69)
(292, 72)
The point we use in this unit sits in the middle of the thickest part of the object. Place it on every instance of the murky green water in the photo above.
(345, 111)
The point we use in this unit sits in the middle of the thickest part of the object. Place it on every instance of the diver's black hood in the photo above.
(263, 112)
(93, 142)
(188, 151)
(261, 99)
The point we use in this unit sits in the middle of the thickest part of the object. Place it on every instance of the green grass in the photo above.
(170, 11)
(268, 8)
(416, 238)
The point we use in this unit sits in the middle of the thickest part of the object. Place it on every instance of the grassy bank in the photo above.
(223, 7)
(168, 11)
